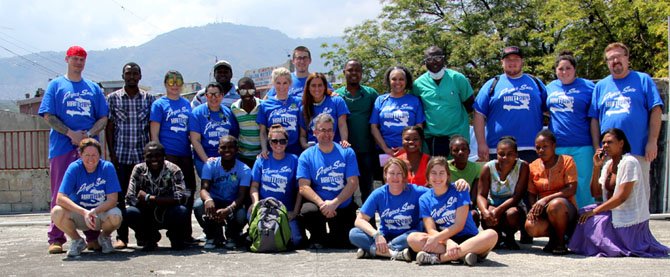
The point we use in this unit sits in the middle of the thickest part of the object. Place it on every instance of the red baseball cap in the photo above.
(76, 51)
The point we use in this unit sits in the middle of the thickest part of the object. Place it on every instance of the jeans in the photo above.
(583, 156)
(187, 168)
(339, 226)
(234, 223)
(364, 241)
(147, 220)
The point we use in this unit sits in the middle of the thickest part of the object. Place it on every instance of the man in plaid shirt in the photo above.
(157, 199)
(127, 132)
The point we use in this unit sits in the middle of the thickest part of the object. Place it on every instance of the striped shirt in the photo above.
(130, 117)
(249, 140)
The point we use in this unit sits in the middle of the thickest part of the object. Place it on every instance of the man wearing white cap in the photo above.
(223, 73)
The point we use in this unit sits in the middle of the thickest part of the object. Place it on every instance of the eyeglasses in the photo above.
(174, 82)
(280, 141)
(215, 94)
(324, 130)
(301, 58)
(247, 91)
(614, 57)
(434, 59)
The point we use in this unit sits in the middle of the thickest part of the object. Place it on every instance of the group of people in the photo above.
(311, 147)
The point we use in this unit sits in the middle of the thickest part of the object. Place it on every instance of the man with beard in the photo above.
(510, 104)
(127, 132)
(223, 73)
(628, 100)
(447, 99)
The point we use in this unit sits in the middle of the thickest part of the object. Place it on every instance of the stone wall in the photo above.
(24, 191)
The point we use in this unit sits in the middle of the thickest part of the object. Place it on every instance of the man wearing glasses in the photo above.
(628, 100)
(447, 99)
(301, 60)
(328, 177)
(223, 73)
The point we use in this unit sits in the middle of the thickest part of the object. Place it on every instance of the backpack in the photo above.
(269, 230)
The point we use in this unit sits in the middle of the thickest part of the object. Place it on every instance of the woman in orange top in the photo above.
(412, 140)
(552, 185)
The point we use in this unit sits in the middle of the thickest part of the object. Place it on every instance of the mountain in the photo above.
(192, 51)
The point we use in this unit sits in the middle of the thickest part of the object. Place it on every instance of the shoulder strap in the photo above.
(493, 85)
(537, 83)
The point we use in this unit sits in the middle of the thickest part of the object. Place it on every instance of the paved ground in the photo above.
(23, 252)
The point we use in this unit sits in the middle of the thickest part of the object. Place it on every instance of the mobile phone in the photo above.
(601, 155)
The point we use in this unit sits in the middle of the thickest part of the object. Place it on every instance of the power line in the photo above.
(34, 63)
(35, 52)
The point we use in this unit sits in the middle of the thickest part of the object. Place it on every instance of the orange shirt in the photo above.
(546, 181)
(420, 177)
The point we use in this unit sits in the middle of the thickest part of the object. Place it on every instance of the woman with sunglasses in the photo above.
(208, 123)
(281, 109)
(317, 98)
(275, 177)
(169, 125)
(246, 112)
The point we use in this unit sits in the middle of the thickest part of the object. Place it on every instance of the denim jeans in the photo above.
(234, 223)
(364, 241)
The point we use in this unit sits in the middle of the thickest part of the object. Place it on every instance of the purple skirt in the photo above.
(598, 237)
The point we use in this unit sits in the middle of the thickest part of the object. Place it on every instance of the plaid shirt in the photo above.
(130, 117)
(170, 182)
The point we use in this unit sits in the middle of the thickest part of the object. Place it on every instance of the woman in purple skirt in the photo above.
(620, 225)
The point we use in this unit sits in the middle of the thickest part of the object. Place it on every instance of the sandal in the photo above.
(560, 251)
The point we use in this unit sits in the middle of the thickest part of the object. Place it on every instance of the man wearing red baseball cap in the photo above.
(75, 108)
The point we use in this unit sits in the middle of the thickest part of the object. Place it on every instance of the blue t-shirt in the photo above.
(283, 112)
(224, 185)
(398, 213)
(443, 209)
(212, 126)
(296, 89)
(77, 104)
(625, 104)
(276, 178)
(173, 116)
(514, 110)
(333, 105)
(394, 114)
(569, 108)
(89, 190)
(328, 172)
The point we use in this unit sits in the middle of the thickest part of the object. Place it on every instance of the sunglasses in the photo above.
(247, 91)
(174, 82)
(434, 58)
(280, 141)
(215, 94)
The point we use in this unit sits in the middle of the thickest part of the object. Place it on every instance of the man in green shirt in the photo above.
(360, 99)
(447, 99)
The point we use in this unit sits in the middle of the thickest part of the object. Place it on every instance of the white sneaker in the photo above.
(425, 258)
(402, 255)
(361, 254)
(106, 244)
(209, 244)
(76, 246)
(470, 259)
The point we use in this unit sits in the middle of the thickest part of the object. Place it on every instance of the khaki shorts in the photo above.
(80, 223)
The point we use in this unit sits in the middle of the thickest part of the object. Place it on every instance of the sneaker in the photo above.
(361, 254)
(470, 259)
(93, 245)
(56, 248)
(402, 255)
(76, 246)
(119, 244)
(230, 244)
(106, 244)
(424, 258)
(209, 244)
(202, 238)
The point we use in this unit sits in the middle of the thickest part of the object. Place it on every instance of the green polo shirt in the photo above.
(358, 120)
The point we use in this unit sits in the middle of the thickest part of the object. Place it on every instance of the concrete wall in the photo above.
(24, 191)
(19, 121)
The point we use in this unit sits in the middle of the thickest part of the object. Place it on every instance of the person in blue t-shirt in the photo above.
(208, 123)
(75, 108)
(225, 185)
(511, 104)
(275, 177)
(301, 60)
(397, 204)
(395, 111)
(316, 100)
(568, 102)
(280, 109)
(628, 100)
(328, 177)
(87, 199)
(169, 126)
(451, 234)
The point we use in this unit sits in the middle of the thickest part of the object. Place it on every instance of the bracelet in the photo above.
(376, 235)
(146, 198)
(207, 201)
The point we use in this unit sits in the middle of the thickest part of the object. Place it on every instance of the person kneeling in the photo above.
(87, 199)
(156, 199)
(451, 233)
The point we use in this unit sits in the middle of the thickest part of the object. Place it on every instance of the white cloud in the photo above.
(54, 25)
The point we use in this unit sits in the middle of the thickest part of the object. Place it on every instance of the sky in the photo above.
(29, 26)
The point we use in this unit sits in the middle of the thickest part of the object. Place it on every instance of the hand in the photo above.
(382, 245)
(210, 207)
(345, 144)
(536, 210)
(650, 151)
(462, 185)
(328, 208)
(210, 159)
(222, 214)
(585, 216)
(389, 151)
(599, 157)
(453, 251)
(90, 218)
(490, 218)
(142, 196)
(263, 154)
(432, 245)
(292, 215)
(483, 152)
(76, 136)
